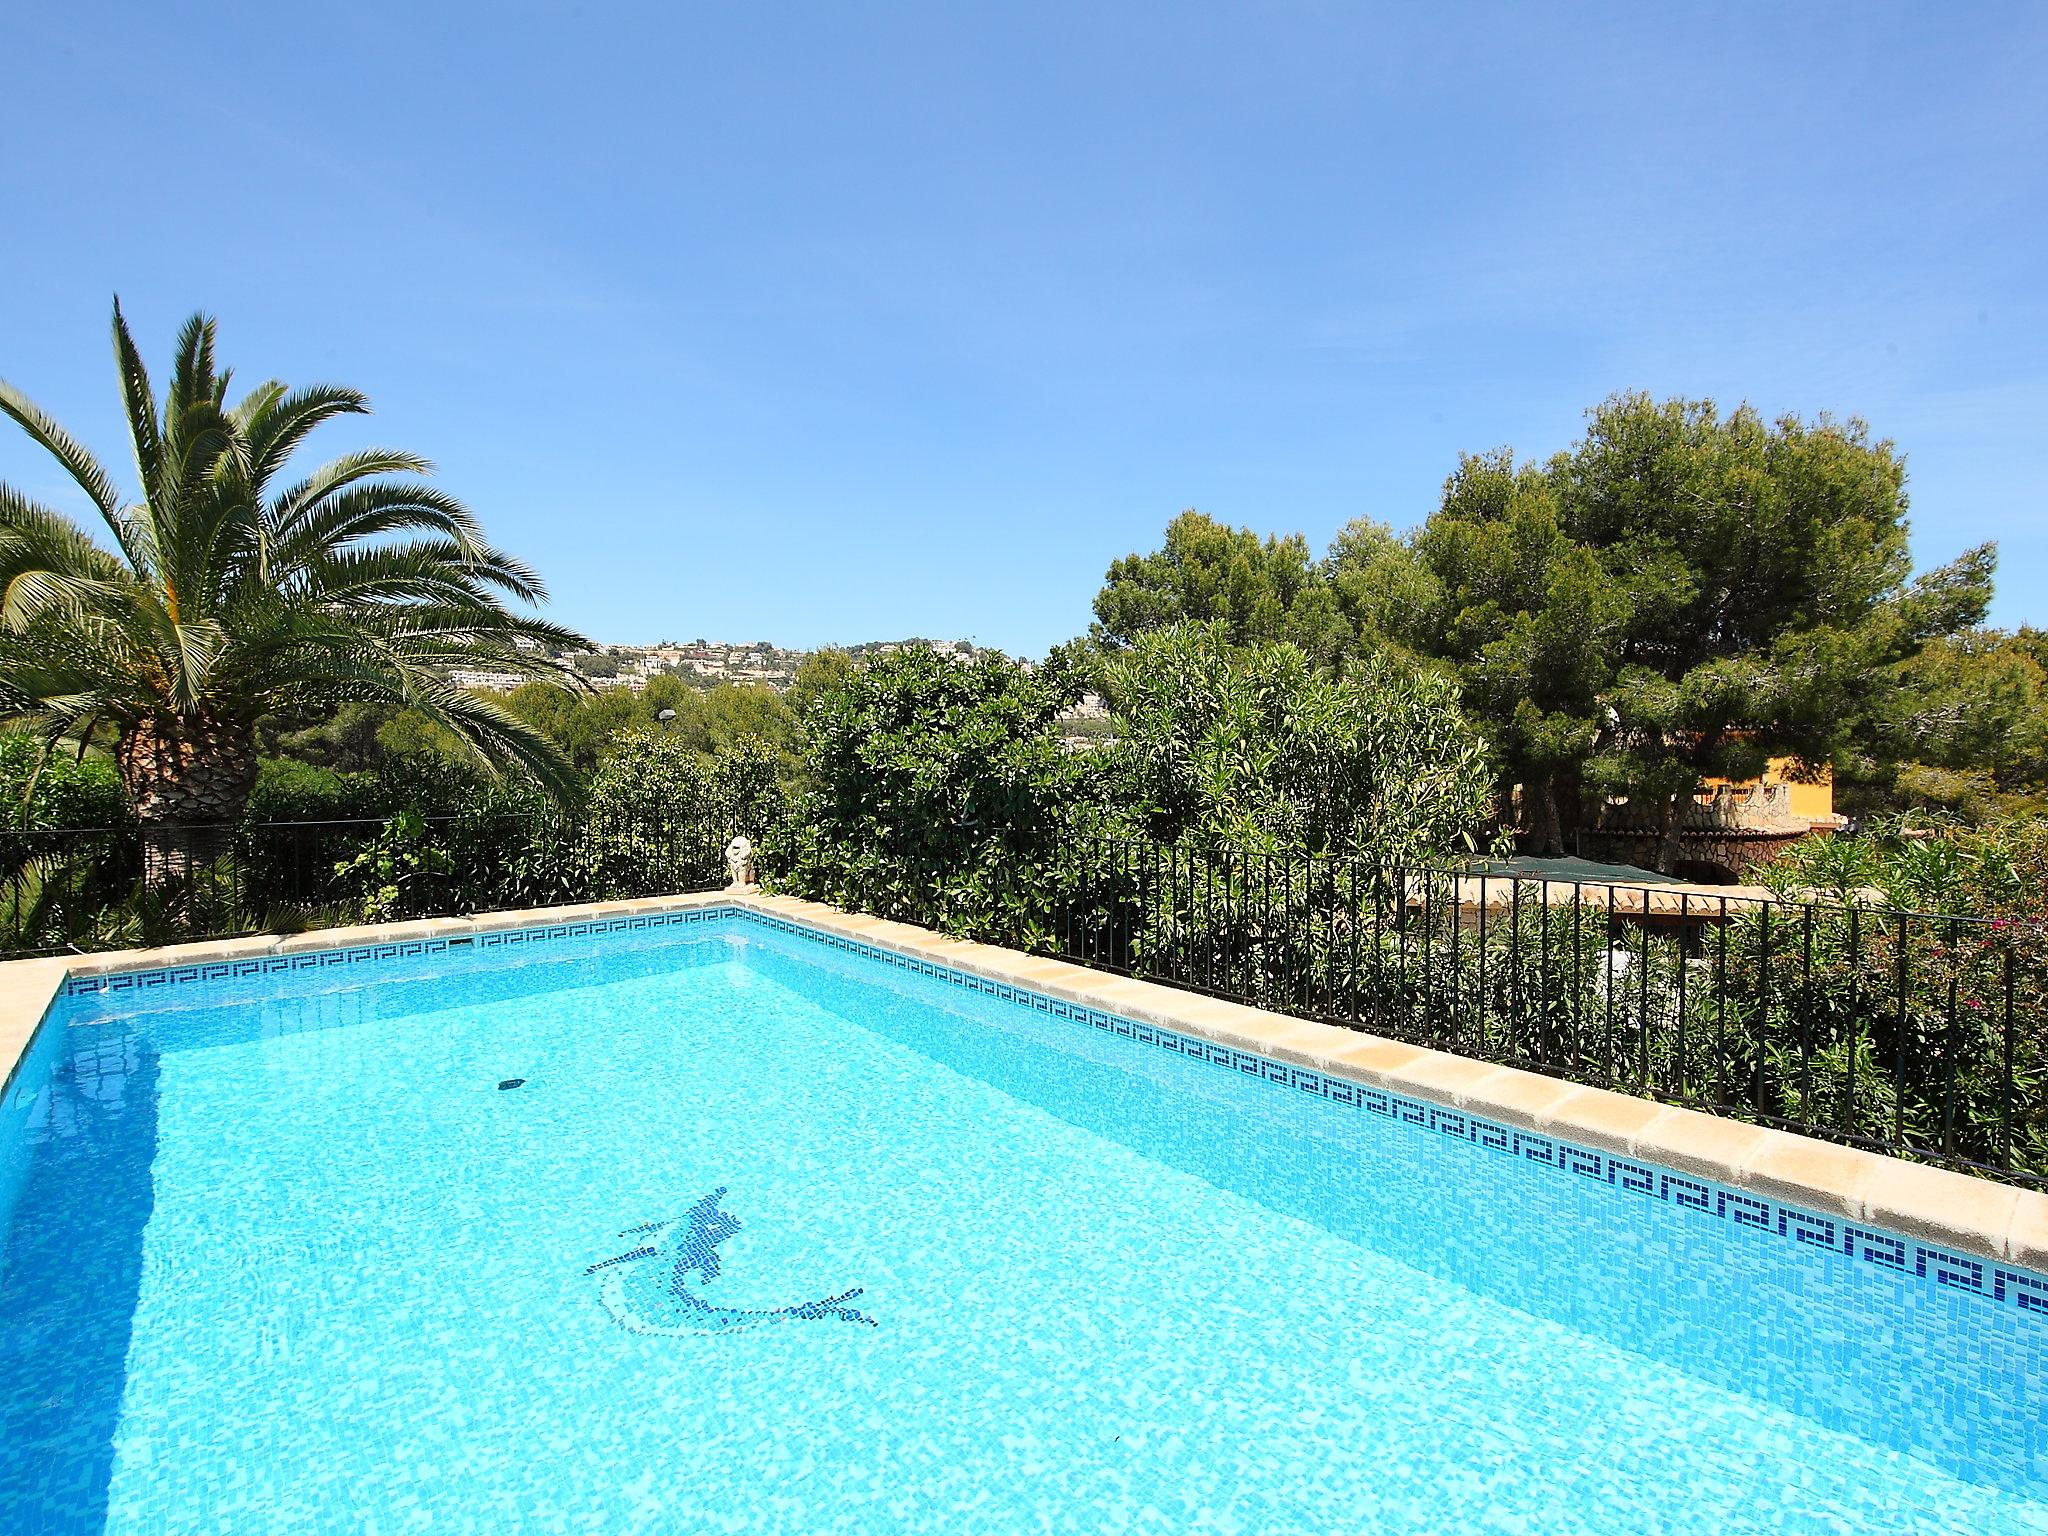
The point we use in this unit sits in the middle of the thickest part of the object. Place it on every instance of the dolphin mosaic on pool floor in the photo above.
(665, 1298)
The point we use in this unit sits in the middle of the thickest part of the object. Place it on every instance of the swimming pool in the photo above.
(703, 1222)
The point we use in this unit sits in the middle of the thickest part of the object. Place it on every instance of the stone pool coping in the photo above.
(1973, 1216)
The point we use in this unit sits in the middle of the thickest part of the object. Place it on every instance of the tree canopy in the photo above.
(1260, 591)
(1684, 594)
(1680, 594)
(1961, 725)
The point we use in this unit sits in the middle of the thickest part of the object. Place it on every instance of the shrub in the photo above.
(55, 882)
(1254, 749)
(936, 791)
(1938, 1007)
(660, 814)
(396, 873)
(288, 790)
(57, 791)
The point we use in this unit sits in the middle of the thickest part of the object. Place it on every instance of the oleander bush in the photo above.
(937, 792)
(1254, 750)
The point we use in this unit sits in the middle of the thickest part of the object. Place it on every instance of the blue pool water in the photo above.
(774, 1236)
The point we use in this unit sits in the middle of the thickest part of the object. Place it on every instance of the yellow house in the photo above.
(1789, 791)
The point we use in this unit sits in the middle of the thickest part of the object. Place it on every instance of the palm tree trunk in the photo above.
(188, 777)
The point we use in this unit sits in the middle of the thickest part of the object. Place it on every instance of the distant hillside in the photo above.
(705, 663)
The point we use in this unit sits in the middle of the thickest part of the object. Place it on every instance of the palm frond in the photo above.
(342, 472)
(30, 595)
(87, 471)
(502, 741)
(261, 398)
(275, 432)
(144, 431)
(369, 509)
(418, 622)
(423, 570)
(199, 646)
(193, 382)
(501, 738)
(48, 565)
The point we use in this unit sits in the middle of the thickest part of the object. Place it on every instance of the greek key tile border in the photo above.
(637, 922)
(1892, 1251)
(323, 959)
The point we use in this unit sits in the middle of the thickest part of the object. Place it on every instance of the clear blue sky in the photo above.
(849, 322)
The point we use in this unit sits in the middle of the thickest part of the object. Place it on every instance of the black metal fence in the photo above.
(117, 887)
(1909, 1032)
(1906, 1032)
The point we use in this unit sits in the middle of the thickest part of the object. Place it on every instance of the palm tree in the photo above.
(224, 598)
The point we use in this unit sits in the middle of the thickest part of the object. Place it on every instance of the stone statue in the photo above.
(739, 863)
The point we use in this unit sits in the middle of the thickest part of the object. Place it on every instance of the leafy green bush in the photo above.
(68, 845)
(287, 790)
(305, 822)
(936, 792)
(1253, 748)
(659, 815)
(395, 874)
(57, 791)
